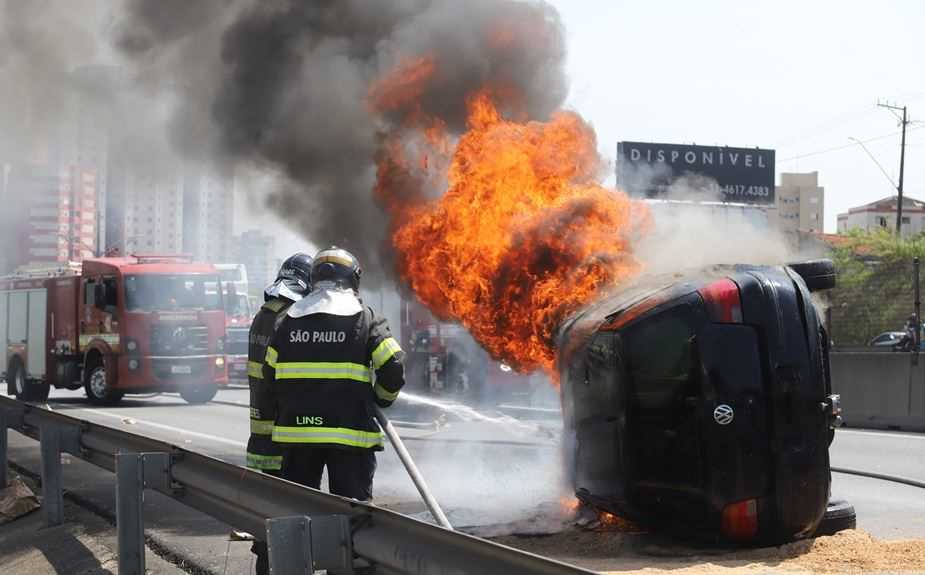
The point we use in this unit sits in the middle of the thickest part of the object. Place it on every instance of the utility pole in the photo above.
(904, 121)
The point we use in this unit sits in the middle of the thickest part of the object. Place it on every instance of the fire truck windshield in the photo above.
(237, 304)
(166, 292)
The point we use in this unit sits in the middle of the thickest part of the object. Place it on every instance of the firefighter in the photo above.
(329, 359)
(292, 283)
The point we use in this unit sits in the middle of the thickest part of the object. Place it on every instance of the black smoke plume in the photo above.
(284, 85)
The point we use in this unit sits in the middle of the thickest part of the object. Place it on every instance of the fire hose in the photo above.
(412, 469)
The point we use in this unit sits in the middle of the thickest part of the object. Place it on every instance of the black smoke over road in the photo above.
(283, 86)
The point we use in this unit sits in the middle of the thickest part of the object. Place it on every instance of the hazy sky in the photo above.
(796, 76)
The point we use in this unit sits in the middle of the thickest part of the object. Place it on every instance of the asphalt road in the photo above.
(497, 479)
(504, 476)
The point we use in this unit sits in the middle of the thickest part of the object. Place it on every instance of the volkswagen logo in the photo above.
(723, 414)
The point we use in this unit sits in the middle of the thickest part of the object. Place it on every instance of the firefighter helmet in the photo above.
(294, 278)
(338, 266)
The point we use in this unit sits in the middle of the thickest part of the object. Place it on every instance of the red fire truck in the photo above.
(238, 316)
(115, 325)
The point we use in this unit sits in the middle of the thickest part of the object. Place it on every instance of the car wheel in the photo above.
(839, 515)
(817, 274)
(98, 389)
(26, 390)
(196, 394)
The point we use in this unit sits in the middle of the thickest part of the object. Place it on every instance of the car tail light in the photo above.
(740, 520)
(723, 302)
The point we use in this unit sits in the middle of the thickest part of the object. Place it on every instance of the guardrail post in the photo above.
(4, 443)
(8, 418)
(129, 521)
(52, 496)
(135, 471)
(289, 540)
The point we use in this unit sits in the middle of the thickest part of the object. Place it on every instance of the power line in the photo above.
(876, 161)
(846, 146)
(823, 127)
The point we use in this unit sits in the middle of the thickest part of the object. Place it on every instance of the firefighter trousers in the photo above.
(350, 474)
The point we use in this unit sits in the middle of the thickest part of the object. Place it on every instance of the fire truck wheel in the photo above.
(198, 393)
(98, 389)
(25, 389)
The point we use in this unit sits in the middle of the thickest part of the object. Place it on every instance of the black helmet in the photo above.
(338, 266)
(294, 279)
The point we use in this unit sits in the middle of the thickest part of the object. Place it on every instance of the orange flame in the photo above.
(569, 505)
(607, 518)
(523, 235)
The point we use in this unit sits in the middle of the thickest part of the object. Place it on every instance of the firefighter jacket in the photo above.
(329, 359)
(262, 454)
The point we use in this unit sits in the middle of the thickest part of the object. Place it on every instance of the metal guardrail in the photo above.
(351, 534)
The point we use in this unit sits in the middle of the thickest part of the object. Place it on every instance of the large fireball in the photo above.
(523, 234)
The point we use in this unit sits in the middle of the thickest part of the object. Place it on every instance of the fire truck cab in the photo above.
(136, 324)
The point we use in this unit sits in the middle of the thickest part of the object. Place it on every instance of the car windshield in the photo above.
(169, 292)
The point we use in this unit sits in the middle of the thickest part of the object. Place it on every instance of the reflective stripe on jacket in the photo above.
(262, 454)
(325, 371)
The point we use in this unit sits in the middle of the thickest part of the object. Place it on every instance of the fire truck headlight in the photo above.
(133, 364)
(219, 362)
(132, 345)
(221, 345)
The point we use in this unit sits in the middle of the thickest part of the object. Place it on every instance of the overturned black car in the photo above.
(701, 403)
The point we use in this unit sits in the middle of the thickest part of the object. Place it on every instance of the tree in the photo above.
(875, 290)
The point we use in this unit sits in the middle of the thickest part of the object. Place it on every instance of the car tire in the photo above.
(25, 389)
(198, 394)
(839, 515)
(98, 390)
(818, 275)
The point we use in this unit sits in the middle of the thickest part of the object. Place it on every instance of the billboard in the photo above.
(710, 173)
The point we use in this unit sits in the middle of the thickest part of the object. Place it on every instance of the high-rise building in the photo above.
(83, 134)
(800, 204)
(51, 215)
(9, 217)
(256, 250)
(208, 215)
(145, 213)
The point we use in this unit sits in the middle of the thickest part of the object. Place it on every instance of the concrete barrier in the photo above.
(880, 390)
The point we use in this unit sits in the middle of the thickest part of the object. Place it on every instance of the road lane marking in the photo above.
(155, 425)
(910, 435)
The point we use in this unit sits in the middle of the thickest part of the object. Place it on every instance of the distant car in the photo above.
(887, 339)
(701, 403)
